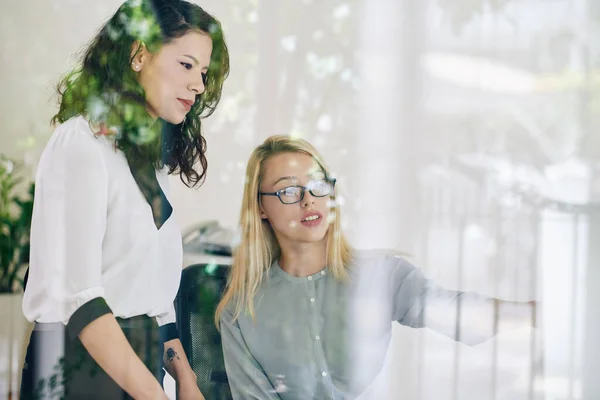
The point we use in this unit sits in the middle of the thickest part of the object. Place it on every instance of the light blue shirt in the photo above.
(317, 338)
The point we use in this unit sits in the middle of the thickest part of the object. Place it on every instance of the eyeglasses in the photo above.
(295, 194)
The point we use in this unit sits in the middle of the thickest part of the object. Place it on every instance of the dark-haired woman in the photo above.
(106, 250)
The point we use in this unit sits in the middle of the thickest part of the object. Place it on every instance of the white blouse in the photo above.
(93, 234)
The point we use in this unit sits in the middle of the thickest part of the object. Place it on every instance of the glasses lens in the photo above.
(321, 188)
(291, 194)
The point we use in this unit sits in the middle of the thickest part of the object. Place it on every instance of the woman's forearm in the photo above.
(176, 363)
(105, 341)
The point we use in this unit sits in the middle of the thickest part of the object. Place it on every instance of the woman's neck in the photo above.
(303, 259)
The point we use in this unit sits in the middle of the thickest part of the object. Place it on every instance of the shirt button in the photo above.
(312, 299)
(324, 373)
(318, 337)
(310, 278)
(322, 272)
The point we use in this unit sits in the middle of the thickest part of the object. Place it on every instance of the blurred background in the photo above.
(461, 132)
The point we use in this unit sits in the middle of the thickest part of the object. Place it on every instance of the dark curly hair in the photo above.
(104, 89)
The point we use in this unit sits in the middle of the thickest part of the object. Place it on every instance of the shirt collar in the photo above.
(278, 272)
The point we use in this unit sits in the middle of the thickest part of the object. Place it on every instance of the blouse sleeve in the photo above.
(418, 302)
(68, 226)
(247, 379)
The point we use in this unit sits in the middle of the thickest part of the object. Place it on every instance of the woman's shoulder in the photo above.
(385, 260)
(75, 139)
(74, 148)
(78, 131)
(377, 255)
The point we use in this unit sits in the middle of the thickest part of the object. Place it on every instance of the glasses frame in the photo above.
(303, 190)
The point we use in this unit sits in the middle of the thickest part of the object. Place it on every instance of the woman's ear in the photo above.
(263, 214)
(139, 55)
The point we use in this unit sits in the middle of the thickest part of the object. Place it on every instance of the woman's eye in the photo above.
(187, 66)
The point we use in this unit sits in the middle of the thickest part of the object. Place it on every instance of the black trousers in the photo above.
(57, 367)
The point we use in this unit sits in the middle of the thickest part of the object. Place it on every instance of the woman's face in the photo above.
(306, 221)
(173, 77)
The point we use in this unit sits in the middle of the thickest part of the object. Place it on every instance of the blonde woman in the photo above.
(304, 315)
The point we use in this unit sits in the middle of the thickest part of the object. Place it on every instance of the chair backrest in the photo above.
(199, 293)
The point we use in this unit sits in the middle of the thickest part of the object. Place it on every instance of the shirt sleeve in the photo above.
(246, 378)
(418, 302)
(68, 226)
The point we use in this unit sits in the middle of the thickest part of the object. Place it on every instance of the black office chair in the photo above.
(199, 293)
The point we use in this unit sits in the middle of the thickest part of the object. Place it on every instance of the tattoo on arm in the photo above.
(170, 356)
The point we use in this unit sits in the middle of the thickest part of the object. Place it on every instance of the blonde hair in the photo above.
(258, 247)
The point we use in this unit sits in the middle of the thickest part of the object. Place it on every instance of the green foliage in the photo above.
(15, 221)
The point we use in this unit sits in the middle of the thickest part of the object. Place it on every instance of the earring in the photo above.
(136, 67)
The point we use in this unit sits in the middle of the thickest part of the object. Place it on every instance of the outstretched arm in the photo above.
(467, 317)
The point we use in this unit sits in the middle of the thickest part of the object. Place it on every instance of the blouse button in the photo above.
(312, 299)
(310, 278)
(322, 272)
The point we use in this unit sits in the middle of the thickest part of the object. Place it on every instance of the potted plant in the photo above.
(15, 221)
